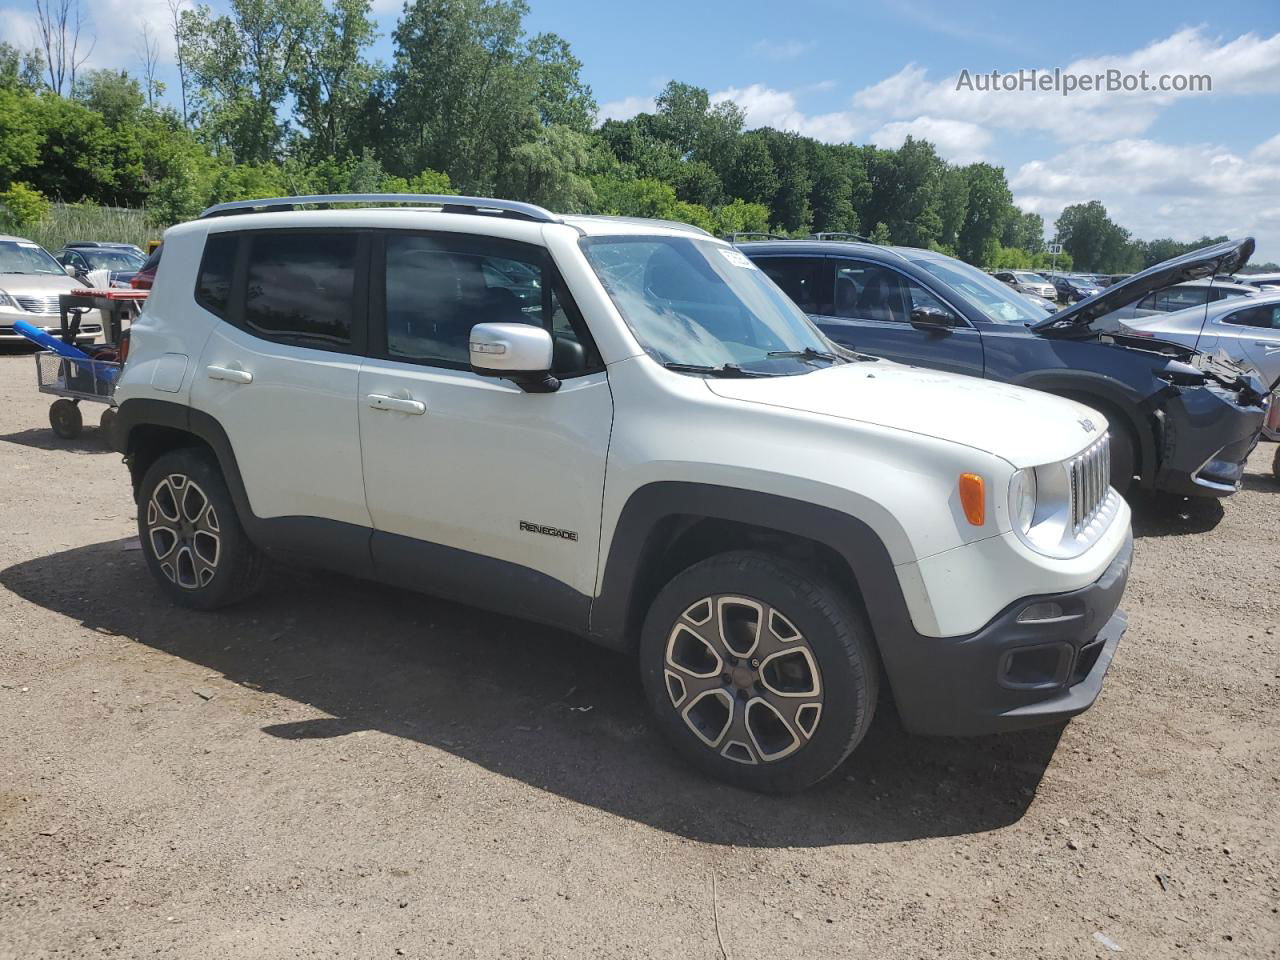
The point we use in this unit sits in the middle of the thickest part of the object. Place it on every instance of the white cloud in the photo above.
(1158, 189)
(957, 140)
(782, 49)
(17, 27)
(766, 107)
(1247, 64)
(626, 108)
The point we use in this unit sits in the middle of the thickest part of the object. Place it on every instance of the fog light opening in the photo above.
(1041, 612)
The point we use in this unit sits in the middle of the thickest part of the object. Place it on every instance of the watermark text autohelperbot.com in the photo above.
(1067, 83)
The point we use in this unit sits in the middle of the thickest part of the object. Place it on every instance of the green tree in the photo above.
(20, 69)
(23, 204)
(463, 88)
(562, 97)
(1093, 240)
(112, 94)
(553, 170)
(330, 80)
(988, 207)
(21, 133)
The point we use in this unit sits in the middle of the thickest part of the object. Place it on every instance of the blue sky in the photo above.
(1177, 165)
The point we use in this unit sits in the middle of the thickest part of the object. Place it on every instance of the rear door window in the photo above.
(300, 287)
(1265, 316)
(806, 281)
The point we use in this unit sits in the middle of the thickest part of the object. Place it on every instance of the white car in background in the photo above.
(30, 282)
(1029, 283)
(1246, 329)
(1180, 296)
(1262, 280)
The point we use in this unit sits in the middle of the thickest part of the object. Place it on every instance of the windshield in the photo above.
(112, 259)
(1030, 278)
(995, 300)
(22, 256)
(698, 303)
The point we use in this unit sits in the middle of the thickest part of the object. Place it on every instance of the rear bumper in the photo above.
(1013, 673)
(1205, 440)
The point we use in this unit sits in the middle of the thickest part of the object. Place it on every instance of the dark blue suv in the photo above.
(1181, 421)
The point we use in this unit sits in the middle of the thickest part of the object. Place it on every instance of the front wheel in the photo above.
(760, 671)
(65, 418)
(191, 535)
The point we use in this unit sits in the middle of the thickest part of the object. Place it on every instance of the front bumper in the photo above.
(50, 325)
(1205, 439)
(1013, 674)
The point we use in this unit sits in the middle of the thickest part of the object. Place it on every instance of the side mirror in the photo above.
(514, 351)
(69, 270)
(932, 319)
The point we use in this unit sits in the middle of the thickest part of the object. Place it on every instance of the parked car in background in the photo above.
(1044, 303)
(30, 282)
(1246, 330)
(146, 275)
(659, 452)
(1261, 280)
(1072, 289)
(1028, 283)
(1179, 296)
(122, 260)
(1108, 279)
(1180, 421)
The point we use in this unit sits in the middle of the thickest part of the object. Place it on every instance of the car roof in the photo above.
(1198, 311)
(822, 248)
(6, 237)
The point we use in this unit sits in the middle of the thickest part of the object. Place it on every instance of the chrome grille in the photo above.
(43, 305)
(1090, 483)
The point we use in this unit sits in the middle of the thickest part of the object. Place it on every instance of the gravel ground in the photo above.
(337, 769)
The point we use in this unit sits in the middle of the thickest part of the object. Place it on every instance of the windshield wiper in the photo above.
(727, 370)
(808, 353)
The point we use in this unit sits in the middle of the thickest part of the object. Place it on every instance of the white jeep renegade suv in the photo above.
(624, 429)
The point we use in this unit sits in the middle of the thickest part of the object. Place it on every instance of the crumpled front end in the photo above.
(1206, 434)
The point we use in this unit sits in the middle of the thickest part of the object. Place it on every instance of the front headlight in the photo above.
(1022, 499)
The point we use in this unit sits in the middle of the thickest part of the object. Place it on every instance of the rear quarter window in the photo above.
(217, 268)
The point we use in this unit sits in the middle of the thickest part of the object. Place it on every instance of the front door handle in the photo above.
(380, 401)
(229, 374)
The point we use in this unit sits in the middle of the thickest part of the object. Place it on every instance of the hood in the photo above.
(43, 283)
(1024, 427)
(1219, 258)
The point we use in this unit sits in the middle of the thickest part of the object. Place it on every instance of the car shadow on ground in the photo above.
(528, 702)
(43, 438)
(1160, 515)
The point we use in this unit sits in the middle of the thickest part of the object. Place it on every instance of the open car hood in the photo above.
(1219, 258)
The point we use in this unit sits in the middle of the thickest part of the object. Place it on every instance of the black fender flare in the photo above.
(639, 537)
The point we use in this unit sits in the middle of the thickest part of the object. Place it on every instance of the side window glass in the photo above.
(802, 281)
(300, 287)
(866, 291)
(435, 295)
(1266, 317)
(1148, 302)
(213, 283)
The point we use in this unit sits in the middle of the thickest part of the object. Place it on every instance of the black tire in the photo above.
(1124, 455)
(820, 615)
(206, 559)
(65, 418)
(106, 426)
(1275, 464)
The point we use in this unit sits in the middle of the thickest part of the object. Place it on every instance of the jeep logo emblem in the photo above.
(1088, 425)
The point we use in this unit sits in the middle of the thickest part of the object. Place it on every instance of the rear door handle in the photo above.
(380, 401)
(229, 374)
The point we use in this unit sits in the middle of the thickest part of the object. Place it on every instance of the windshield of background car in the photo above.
(692, 301)
(993, 299)
(1030, 278)
(19, 256)
(112, 259)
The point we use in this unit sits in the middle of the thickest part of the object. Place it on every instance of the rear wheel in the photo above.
(106, 425)
(759, 671)
(191, 535)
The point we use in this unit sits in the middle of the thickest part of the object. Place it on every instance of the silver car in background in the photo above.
(1180, 296)
(30, 282)
(1027, 282)
(1246, 329)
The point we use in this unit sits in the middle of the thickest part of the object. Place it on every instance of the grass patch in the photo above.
(83, 221)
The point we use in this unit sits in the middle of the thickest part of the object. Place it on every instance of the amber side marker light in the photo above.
(973, 498)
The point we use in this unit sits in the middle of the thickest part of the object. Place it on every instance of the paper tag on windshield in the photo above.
(736, 257)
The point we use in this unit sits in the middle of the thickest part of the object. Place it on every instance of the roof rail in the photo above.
(449, 204)
(746, 235)
(837, 235)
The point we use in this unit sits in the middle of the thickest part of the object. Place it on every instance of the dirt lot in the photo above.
(342, 770)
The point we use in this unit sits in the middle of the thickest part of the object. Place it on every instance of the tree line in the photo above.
(281, 97)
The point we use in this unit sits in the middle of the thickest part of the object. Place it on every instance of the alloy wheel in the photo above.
(743, 679)
(182, 527)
